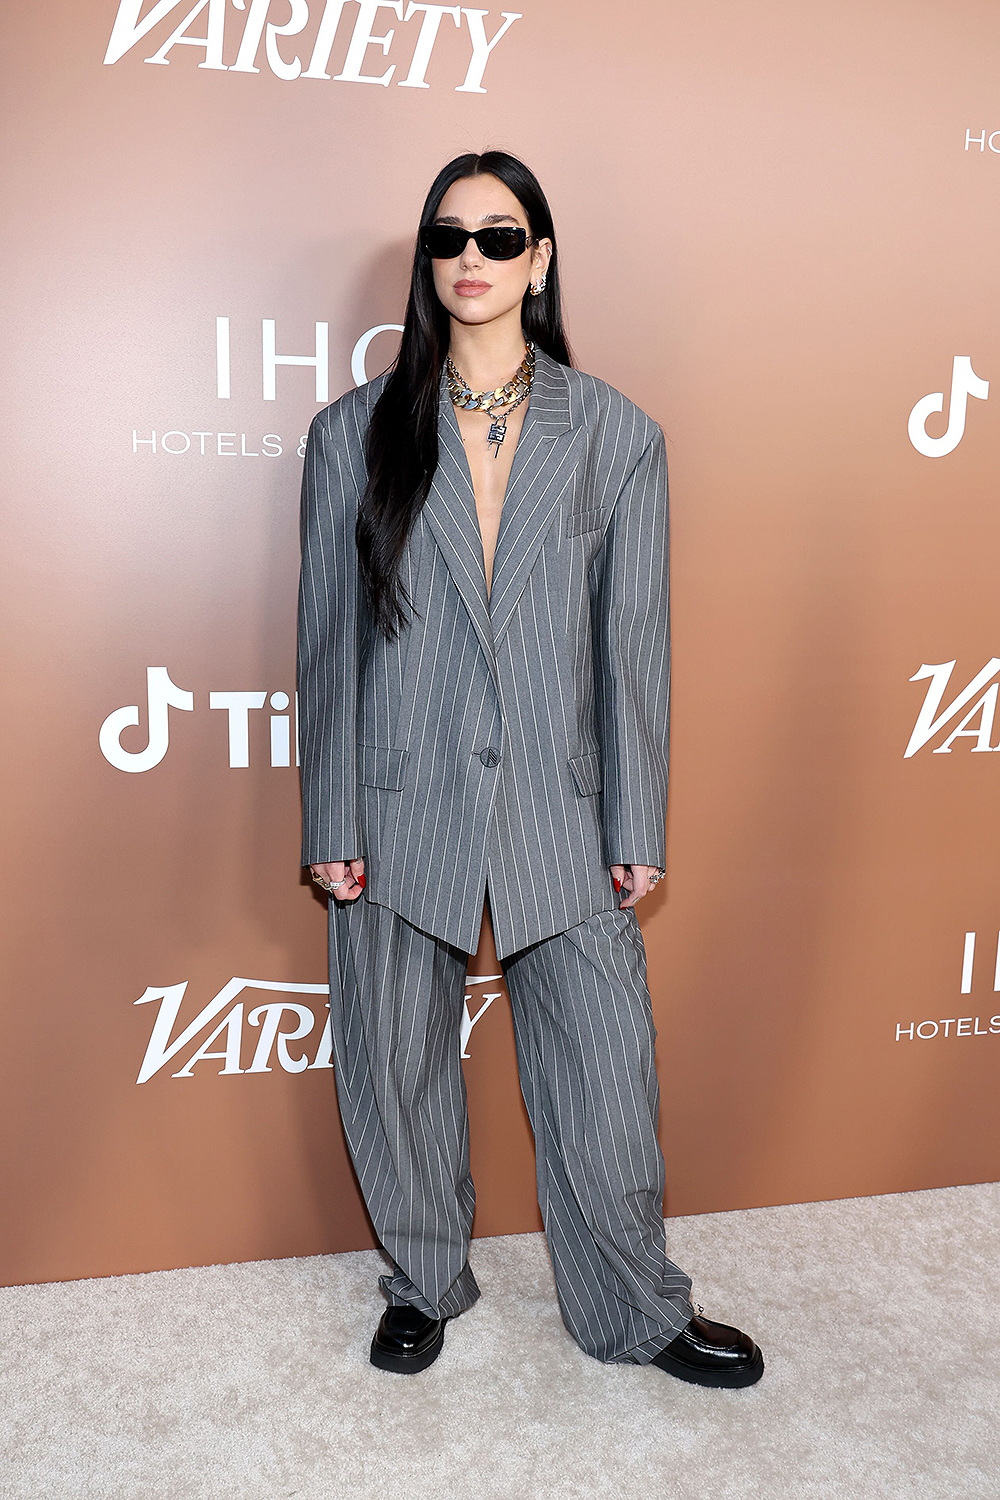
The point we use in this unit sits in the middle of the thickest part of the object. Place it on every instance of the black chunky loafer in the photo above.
(708, 1353)
(406, 1340)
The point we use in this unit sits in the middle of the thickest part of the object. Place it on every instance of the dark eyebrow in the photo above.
(486, 219)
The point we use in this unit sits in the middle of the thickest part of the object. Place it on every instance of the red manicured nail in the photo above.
(617, 883)
(361, 881)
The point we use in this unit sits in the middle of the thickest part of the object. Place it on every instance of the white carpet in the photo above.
(879, 1319)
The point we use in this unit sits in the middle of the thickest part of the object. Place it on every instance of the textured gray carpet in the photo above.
(878, 1318)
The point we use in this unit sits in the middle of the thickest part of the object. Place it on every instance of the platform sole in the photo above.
(720, 1379)
(407, 1364)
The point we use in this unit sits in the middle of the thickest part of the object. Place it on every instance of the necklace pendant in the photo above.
(498, 431)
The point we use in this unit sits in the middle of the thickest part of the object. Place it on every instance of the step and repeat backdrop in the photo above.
(776, 226)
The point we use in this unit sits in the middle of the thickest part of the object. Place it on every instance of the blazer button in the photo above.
(489, 756)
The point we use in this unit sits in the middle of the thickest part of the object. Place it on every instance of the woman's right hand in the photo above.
(351, 872)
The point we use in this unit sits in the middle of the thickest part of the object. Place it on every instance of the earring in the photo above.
(536, 291)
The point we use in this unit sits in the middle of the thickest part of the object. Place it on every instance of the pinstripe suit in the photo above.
(512, 742)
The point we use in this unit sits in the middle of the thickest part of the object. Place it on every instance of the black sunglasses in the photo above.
(497, 242)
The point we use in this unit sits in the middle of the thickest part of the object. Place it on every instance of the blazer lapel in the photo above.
(450, 510)
(542, 468)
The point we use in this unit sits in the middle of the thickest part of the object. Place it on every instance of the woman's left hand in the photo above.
(636, 880)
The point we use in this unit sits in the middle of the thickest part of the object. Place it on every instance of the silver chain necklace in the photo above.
(510, 395)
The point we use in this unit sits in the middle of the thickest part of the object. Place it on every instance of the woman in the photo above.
(483, 702)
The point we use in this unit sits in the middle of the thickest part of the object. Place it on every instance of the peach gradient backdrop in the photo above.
(772, 238)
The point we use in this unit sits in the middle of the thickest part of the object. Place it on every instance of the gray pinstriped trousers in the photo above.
(584, 1033)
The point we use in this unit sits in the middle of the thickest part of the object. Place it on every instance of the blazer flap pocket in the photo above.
(578, 521)
(381, 765)
(586, 772)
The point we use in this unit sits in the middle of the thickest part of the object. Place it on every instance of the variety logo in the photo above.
(926, 1031)
(130, 28)
(932, 717)
(487, 998)
(964, 383)
(162, 695)
(283, 1029)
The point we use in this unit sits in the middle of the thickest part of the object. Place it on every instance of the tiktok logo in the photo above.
(162, 695)
(964, 383)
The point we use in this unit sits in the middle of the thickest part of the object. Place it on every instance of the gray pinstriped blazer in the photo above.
(520, 735)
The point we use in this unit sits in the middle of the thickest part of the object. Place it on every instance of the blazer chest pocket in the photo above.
(586, 772)
(579, 521)
(381, 765)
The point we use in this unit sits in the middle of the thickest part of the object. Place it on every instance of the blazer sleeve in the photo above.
(327, 657)
(632, 661)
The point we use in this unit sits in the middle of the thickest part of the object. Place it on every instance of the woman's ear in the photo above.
(541, 257)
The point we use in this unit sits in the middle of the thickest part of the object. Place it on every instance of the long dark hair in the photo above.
(402, 440)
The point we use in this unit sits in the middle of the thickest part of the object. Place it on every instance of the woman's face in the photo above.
(473, 288)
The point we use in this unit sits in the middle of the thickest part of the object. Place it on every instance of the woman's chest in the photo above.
(489, 469)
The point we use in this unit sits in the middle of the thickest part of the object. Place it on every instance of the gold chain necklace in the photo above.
(510, 395)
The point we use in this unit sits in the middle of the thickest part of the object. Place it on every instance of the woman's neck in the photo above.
(487, 355)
